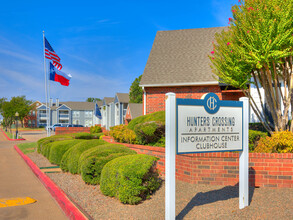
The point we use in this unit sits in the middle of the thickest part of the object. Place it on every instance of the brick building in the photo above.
(179, 63)
(31, 120)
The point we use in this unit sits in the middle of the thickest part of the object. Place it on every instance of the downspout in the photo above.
(144, 101)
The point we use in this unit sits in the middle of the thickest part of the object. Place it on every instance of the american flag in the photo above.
(50, 54)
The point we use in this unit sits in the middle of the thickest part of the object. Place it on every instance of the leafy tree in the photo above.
(135, 92)
(257, 49)
(8, 109)
(90, 99)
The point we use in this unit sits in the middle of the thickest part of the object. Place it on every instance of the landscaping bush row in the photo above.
(147, 129)
(150, 130)
(95, 129)
(279, 142)
(89, 157)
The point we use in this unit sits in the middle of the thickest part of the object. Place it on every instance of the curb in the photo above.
(67, 206)
(22, 139)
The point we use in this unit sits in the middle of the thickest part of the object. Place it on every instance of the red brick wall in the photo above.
(155, 96)
(265, 170)
(70, 130)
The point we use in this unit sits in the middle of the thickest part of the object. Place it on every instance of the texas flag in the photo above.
(58, 76)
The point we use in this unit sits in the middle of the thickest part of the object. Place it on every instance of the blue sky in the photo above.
(104, 45)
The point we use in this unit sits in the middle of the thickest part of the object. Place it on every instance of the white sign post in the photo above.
(202, 126)
(243, 159)
(170, 135)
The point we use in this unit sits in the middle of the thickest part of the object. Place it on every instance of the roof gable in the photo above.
(122, 98)
(107, 100)
(180, 57)
(135, 109)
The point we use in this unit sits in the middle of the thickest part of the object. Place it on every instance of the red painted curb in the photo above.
(22, 139)
(67, 206)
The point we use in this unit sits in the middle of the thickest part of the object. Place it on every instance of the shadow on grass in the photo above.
(227, 192)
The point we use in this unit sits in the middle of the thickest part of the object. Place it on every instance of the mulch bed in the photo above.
(192, 201)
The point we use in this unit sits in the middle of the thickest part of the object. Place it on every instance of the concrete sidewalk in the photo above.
(17, 180)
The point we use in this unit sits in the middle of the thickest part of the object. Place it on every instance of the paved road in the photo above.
(17, 180)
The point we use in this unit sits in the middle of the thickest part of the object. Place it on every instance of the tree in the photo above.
(135, 92)
(8, 109)
(257, 49)
(90, 99)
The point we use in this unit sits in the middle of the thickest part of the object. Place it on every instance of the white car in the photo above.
(52, 128)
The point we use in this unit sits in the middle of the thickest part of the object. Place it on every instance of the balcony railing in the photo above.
(42, 115)
(63, 116)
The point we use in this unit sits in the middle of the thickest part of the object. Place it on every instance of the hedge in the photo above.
(59, 148)
(70, 159)
(82, 135)
(92, 161)
(149, 132)
(44, 141)
(95, 129)
(130, 178)
(122, 134)
(156, 116)
(97, 135)
(254, 137)
(279, 142)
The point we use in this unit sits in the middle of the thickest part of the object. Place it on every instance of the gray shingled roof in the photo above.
(75, 105)
(180, 57)
(135, 109)
(100, 103)
(123, 97)
(108, 100)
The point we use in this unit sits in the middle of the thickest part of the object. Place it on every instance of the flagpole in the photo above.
(49, 104)
(46, 91)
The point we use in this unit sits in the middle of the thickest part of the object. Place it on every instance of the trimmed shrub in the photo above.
(97, 135)
(149, 132)
(156, 116)
(70, 159)
(279, 142)
(45, 141)
(92, 161)
(59, 148)
(130, 178)
(254, 137)
(122, 134)
(95, 129)
(82, 135)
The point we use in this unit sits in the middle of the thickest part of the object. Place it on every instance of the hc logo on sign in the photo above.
(211, 103)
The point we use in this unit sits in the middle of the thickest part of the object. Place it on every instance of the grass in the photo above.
(27, 148)
(12, 135)
(28, 129)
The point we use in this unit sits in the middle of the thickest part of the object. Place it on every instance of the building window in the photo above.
(75, 122)
(88, 114)
(88, 123)
(34, 113)
(75, 113)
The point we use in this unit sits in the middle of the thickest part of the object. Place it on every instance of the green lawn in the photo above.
(12, 136)
(27, 147)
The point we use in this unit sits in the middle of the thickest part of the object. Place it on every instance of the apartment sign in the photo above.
(209, 125)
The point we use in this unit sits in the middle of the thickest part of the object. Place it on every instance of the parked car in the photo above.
(70, 126)
(52, 128)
